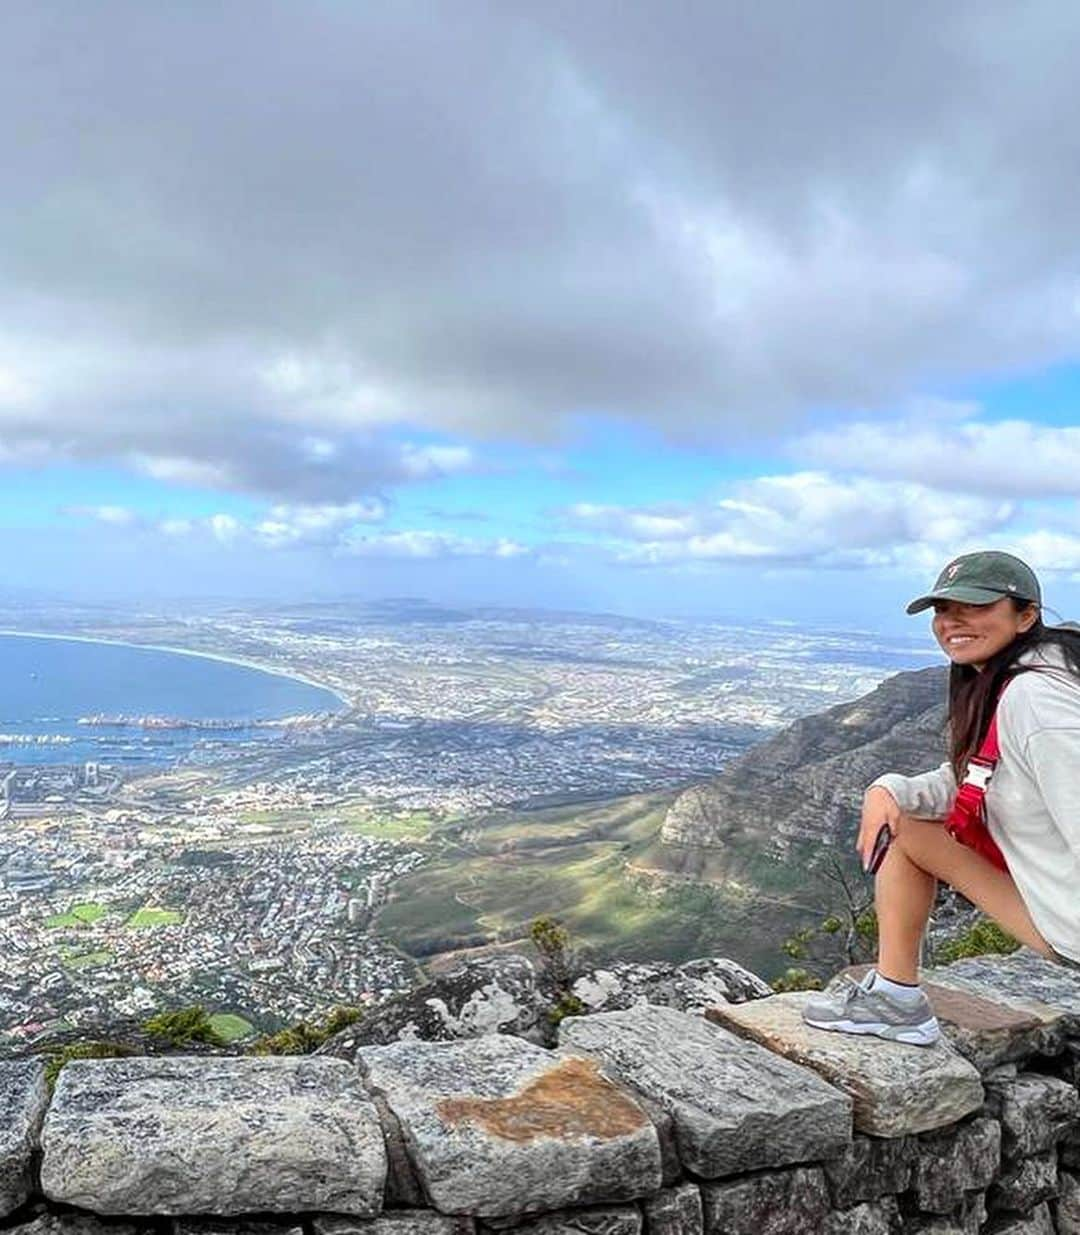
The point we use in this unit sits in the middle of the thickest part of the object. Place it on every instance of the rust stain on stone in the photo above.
(572, 1099)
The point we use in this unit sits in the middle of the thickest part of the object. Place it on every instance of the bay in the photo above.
(47, 685)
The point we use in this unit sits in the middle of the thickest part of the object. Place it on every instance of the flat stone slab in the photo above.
(499, 1126)
(735, 1106)
(896, 1089)
(213, 1135)
(23, 1099)
(1023, 980)
(394, 1222)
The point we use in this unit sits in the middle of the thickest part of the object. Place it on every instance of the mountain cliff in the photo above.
(806, 783)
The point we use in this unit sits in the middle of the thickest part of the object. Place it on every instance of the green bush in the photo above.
(984, 938)
(796, 980)
(304, 1037)
(568, 1005)
(183, 1026)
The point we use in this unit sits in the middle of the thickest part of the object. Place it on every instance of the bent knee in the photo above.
(910, 827)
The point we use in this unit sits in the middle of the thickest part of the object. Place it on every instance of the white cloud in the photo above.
(1009, 459)
(285, 526)
(114, 516)
(804, 517)
(434, 545)
(247, 280)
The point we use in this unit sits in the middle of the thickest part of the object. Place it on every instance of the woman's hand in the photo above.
(879, 806)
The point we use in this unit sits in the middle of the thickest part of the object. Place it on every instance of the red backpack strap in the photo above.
(967, 819)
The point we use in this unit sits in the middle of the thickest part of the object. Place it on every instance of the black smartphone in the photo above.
(881, 847)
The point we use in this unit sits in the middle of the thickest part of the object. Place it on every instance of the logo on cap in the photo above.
(952, 570)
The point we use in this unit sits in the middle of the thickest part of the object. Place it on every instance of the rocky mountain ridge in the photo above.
(807, 782)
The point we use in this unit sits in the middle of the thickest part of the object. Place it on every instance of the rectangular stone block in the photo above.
(675, 1211)
(1036, 1111)
(735, 1105)
(233, 1226)
(1068, 1204)
(1025, 981)
(23, 1099)
(870, 1218)
(498, 1126)
(597, 1220)
(1038, 1222)
(71, 1222)
(394, 1222)
(870, 1168)
(1029, 1182)
(896, 1089)
(792, 1202)
(213, 1135)
(954, 1162)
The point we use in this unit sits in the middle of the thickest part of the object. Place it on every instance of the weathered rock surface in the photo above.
(1028, 1182)
(791, 1202)
(23, 1099)
(985, 1031)
(807, 782)
(491, 994)
(1027, 981)
(1038, 1222)
(693, 986)
(951, 1164)
(394, 1222)
(1035, 1111)
(735, 1106)
(599, 1220)
(879, 1218)
(74, 1223)
(499, 1126)
(234, 1226)
(896, 1089)
(1068, 1204)
(223, 1136)
(871, 1167)
(675, 1211)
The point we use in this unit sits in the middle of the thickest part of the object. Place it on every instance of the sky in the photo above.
(707, 309)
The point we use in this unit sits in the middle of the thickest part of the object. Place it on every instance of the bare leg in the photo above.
(923, 852)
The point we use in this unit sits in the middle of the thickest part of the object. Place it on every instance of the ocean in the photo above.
(49, 686)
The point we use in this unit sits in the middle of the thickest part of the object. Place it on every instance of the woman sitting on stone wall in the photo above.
(1014, 737)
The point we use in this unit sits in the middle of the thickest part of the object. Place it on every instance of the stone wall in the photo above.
(645, 1121)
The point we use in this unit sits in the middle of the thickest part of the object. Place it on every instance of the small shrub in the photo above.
(568, 1005)
(304, 1037)
(552, 941)
(183, 1026)
(796, 980)
(984, 938)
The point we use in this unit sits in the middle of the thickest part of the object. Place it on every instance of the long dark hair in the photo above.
(973, 693)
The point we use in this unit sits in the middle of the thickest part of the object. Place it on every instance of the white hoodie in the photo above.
(1033, 802)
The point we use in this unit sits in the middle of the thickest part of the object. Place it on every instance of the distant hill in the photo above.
(806, 783)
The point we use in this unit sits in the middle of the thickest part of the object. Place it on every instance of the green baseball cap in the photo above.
(981, 579)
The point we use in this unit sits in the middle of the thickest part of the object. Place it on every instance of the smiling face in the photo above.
(971, 634)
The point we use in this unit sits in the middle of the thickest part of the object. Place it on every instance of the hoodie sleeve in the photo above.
(927, 796)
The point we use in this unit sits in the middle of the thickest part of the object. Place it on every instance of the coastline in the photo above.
(222, 657)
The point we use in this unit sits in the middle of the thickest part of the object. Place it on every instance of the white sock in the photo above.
(895, 990)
